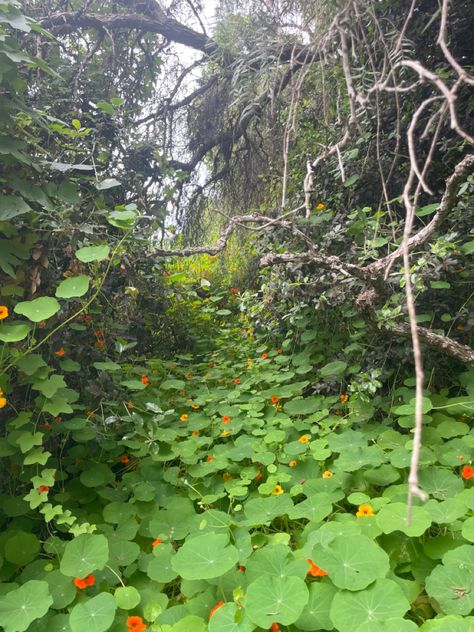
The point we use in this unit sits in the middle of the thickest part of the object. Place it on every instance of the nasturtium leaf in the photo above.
(127, 597)
(73, 287)
(191, 623)
(453, 588)
(62, 589)
(264, 510)
(20, 607)
(315, 615)
(93, 253)
(160, 567)
(440, 483)
(69, 366)
(37, 455)
(451, 623)
(276, 599)
(26, 440)
(21, 548)
(383, 600)
(352, 562)
(85, 554)
(468, 529)
(14, 333)
(118, 512)
(97, 475)
(205, 557)
(447, 511)
(393, 517)
(230, 619)
(390, 625)
(269, 560)
(303, 406)
(333, 369)
(123, 552)
(39, 309)
(30, 363)
(95, 615)
(106, 366)
(315, 508)
(177, 385)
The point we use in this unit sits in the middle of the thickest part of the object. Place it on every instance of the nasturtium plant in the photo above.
(73, 287)
(84, 554)
(280, 599)
(88, 254)
(205, 557)
(25, 604)
(95, 614)
(38, 309)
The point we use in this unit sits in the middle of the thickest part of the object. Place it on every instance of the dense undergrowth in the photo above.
(218, 479)
(181, 455)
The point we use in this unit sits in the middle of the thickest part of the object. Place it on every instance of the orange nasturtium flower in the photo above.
(293, 463)
(467, 472)
(3, 401)
(156, 542)
(274, 628)
(277, 490)
(210, 457)
(237, 380)
(275, 399)
(195, 406)
(343, 398)
(264, 356)
(184, 417)
(258, 476)
(327, 474)
(365, 510)
(144, 380)
(3, 312)
(42, 488)
(60, 352)
(280, 350)
(196, 433)
(124, 459)
(304, 439)
(320, 206)
(216, 607)
(314, 570)
(135, 624)
(225, 419)
(84, 582)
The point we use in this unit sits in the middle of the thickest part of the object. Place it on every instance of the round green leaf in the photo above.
(205, 557)
(393, 517)
(468, 529)
(39, 309)
(20, 607)
(333, 369)
(73, 287)
(160, 568)
(391, 625)
(127, 597)
(451, 623)
(315, 615)
(84, 554)
(22, 548)
(190, 623)
(453, 588)
(276, 599)
(230, 619)
(97, 475)
(93, 253)
(383, 600)
(14, 333)
(62, 589)
(352, 562)
(94, 615)
(440, 483)
(300, 406)
(122, 552)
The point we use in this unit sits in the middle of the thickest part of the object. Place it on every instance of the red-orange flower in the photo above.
(237, 380)
(234, 290)
(216, 607)
(274, 628)
(144, 380)
(135, 624)
(124, 459)
(60, 352)
(314, 570)
(156, 542)
(209, 458)
(280, 350)
(58, 419)
(242, 569)
(100, 344)
(42, 488)
(467, 472)
(88, 319)
(264, 356)
(275, 399)
(225, 419)
(3, 312)
(84, 582)
(258, 476)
